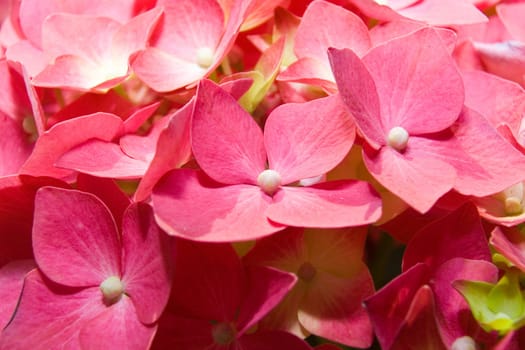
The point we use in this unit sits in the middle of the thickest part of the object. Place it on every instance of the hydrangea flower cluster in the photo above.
(259, 175)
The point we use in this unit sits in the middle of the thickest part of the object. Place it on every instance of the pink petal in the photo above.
(311, 71)
(359, 93)
(431, 244)
(308, 139)
(326, 25)
(332, 308)
(265, 288)
(33, 57)
(481, 157)
(11, 282)
(453, 314)
(119, 326)
(238, 155)
(164, 72)
(15, 146)
(415, 175)
(104, 159)
(75, 239)
(146, 263)
(444, 12)
(389, 306)
(14, 99)
(139, 117)
(418, 83)
(329, 204)
(213, 281)
(188, 204)
(173, 150)
(63, 136)
(512, 17)
(50, 316)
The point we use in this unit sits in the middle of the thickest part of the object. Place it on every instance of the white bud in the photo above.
(397, 138)
(269, 181)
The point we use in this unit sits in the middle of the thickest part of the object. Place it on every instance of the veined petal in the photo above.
(305, 140)
(190, 205)
(75, 239)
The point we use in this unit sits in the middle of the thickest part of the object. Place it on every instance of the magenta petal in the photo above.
(431, 245)
(415, 175)
(11, 282)
(271, 340)
(146, 262)
(359, 93)
(510, 243)
(389, 306)
(50, 316)
(75, 239)
(190, 205)
(308, 139)
(265, 288)
(238, 155)
(177, 332)
(15, 146)
(418, 83)
(103, 159)
(453, 313)
(119, 326)
(213, 278)
(329, 204)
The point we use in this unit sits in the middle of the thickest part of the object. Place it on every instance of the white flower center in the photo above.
(112, 288)
(512, 198)
(381, 2)
(463, 343)
(204, 57)
(269, 181)
(397, 138)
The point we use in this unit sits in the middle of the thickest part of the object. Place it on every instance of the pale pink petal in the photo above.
(104, 159)
(146, 262)
(332, 308)
(484, 161)
(11, 282)
(214, 281)
(173, 150)
(359, 93)
(415, 175)
(326, 25)
(15, 146)
(512, 17)
(119, 326)
(329, 204)
(260, 11)
(189, 25)
(50, 316)
(265, 288)
(431, 245)
(164, 72)
(418, 83)
(226, 141)
(444, 12)
(32, 57)
(190, 205)
(75, 239)
(452, 311)
(389, 306)
(270, 340)
(308, 139)
(63, 136)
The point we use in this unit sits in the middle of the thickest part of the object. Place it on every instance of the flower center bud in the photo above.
(381, 2)
(204, 57)
(306, 272)
(513, 199)
(463, 343)
(112, 289)
(223, 333)
(269, 181)
(397, 138)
